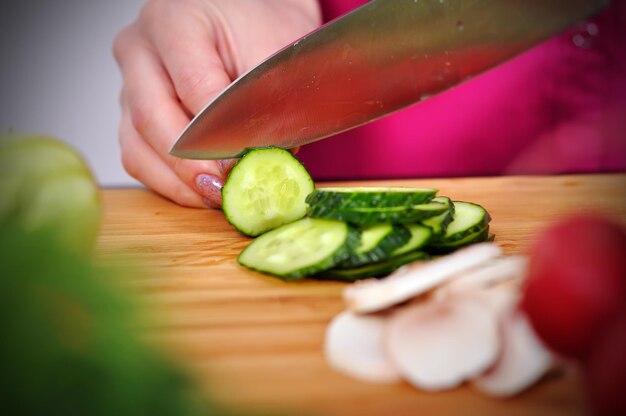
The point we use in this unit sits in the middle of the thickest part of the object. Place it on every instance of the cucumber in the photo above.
(379, 269)
(266, 188)
(449, 246)
(377, 243)
(420, 235)
(301, 248)
(469, 218)
(365, 216)
(350, 233)
(439, 223)
(360, 197)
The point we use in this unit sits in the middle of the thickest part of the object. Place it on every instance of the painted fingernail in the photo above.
(210, 188)
(212, 203)
(225, 166)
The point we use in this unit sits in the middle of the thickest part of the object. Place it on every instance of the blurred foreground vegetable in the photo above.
(575, 297)
(577, 281)
(68, 342)
(68, 347)
(45, 184)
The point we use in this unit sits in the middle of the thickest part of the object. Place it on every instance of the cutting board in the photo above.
(255, 342)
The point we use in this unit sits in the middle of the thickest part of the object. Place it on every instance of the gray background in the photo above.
(58, 76)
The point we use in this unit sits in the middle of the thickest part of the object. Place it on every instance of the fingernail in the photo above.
(211, 203)
(225, 166)
(210, 187)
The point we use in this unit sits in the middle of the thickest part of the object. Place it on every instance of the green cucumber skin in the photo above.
(397, 237)
(379, 269)
(371, 216)
(448, 247)
(351, 243)
(423, 236)
(451, 238)
(362, 199)
(439, 223)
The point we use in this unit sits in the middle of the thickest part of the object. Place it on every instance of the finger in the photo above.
(145, 165)
(156, 114)
(193, 63)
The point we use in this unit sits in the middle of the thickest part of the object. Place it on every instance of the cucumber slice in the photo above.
(469, 218)
(420, 235)
(365, 216)
(265, 189)
(439, 223)
(379, 269)
(301, 248)
(344, 197)
(376, 244)
(447, 247)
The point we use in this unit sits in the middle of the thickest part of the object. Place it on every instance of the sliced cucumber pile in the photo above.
(348, 233)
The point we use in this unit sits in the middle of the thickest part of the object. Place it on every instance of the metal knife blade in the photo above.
(384, 56)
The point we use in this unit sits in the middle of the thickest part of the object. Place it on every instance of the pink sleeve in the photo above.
(558, 108)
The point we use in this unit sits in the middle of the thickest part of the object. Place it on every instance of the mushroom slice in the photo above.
(495, 271)
(500, 299)
(522, 362)
(409, 281)
(354, 346)
(438, 344)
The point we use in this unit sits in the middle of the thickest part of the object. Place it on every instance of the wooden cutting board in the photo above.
(256, 342)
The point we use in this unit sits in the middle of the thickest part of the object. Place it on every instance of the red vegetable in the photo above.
(576, 282)
(605, 370)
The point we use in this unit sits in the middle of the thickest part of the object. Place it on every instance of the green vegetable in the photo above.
(468, 219)
(439, 223)
(442, 247)
(45, 184)
(365, 216)
(350, 233)
(420, 235)
(301, 248)
(68, 341)
(265, 189)
(377, 243)
(378, 269)
(365, 197)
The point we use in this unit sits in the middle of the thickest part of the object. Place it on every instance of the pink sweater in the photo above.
(558, 108)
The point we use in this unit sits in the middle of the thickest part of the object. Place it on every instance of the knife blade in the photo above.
(380, 58)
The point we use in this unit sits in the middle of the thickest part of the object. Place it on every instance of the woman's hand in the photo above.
(174, 58)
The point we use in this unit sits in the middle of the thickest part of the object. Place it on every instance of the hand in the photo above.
(174, 58)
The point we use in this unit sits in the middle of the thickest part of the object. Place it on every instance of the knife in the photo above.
(382, 57)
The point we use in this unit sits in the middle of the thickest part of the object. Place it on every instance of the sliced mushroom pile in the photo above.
(439, 324)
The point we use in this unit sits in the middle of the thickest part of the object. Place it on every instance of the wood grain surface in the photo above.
(256, 342)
